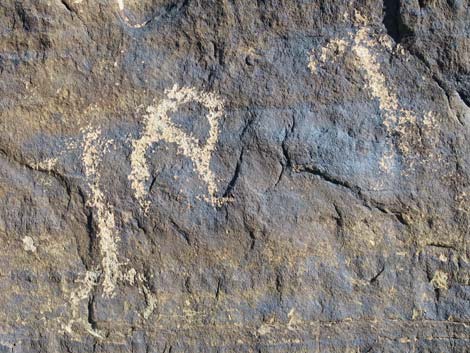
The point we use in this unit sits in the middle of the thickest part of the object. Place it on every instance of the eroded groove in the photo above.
(442, 246)
(185, 235)
(286, 163)
(86, 255)
(314, 170)
(91, 312)
(252, 240)
(339, 219)
(67, 6)
(465, 97)
(354, 189)
(62, 179)
(285, 152)
(152, 183)
(376, 277)
(236, 175)
(391, 18)
(381, 208)
(219, 288)
(393, 21)
(279, 284)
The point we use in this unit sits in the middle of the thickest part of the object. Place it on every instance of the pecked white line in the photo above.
(126, 19)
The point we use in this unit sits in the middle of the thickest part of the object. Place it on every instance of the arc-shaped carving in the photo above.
(111, 270)
(158, 126)
(364, 43)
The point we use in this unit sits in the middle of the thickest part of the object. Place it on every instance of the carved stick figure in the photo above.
(93, 146)
(110, 272)
(364, 44)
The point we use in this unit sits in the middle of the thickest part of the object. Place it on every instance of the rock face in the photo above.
(234, 176)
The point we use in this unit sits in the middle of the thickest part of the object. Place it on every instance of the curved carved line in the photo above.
(158, 126)
(126, 19)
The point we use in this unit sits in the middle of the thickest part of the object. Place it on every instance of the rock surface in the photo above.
(234, 176)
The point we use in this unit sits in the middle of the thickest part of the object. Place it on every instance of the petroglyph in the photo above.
(126, 19)
(28, 244)
(105, 222)
(93, 146)
(158, 126)
(80, 293)
(294, 320)
(364, 43)
(151, 300)
(440, 280)
(47, 164)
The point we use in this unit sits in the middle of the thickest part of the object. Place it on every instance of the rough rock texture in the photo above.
(234, 176)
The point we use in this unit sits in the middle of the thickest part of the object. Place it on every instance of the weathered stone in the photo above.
(234, 176)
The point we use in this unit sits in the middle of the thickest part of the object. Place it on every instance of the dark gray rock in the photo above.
(234, 176)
